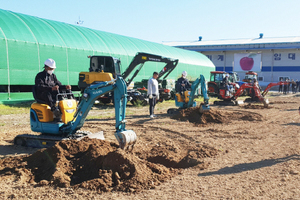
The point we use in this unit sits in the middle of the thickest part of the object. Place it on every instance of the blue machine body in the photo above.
(191, 102)
(90, 95)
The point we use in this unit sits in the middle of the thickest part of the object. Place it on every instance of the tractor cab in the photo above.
(215, 82)
(215, 85)
(233, 77)
(250, 75)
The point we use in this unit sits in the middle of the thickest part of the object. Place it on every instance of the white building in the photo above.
(272, 58)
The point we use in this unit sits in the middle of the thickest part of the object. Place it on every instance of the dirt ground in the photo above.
(232, 152)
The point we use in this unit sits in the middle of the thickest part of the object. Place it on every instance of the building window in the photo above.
(260, 78)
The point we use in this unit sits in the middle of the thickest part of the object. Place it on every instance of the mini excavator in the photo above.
(256, 95)
(187, 101)
(231, 99)
(73, 117)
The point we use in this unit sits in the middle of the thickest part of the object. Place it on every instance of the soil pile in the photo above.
(195, 116)
(252, 106)
(214, 116)
(102, 166)
(282, 102)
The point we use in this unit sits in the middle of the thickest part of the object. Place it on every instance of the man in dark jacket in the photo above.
(183, 83)
(227, 85)
(47, 86)
(280, 86)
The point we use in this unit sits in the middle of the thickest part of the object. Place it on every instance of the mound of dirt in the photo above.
(282, 102)
(195, 116)
(253, 106)
(214, 116)
(102, 166)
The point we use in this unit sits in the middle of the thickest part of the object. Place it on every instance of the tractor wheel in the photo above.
(212, 90)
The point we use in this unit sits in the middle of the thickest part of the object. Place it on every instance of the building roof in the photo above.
(239, 44)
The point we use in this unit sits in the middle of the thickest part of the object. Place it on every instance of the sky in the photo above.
(171, 20)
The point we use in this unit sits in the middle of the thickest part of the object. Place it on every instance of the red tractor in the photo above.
(216, 86)
(250, 75)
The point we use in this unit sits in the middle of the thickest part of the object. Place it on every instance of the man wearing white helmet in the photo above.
(47, 86)
(183, 83)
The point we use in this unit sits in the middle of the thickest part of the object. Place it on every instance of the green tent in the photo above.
(27, 41)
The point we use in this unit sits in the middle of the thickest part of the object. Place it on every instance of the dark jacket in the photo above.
(225, 81)
(179, 87)
(45, 82)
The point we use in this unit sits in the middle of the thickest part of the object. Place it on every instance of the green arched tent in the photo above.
(27, 41)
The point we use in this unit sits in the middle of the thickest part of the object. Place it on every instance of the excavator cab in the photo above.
(102, 68)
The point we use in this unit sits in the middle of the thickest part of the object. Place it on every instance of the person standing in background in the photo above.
(153, 93)
(280, 86)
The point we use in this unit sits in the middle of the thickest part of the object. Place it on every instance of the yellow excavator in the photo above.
(99, 65)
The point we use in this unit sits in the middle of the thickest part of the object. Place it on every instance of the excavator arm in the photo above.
(270, 85)
(194, 87)
(256, 90)
(240, 91)
(140, 59)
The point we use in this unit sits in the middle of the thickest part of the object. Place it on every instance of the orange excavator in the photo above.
(257, 96)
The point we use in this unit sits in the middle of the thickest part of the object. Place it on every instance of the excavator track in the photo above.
(36, 141)
(45, 141)
(225, 103)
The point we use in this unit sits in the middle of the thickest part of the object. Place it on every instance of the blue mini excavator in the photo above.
(187, 99)
(74, 115)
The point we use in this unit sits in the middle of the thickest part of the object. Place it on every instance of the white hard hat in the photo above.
(227, 75)
(50, 63)
(184, 73)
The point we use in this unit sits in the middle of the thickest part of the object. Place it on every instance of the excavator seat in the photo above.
(41, 108)
(44, 113)
(183, 98)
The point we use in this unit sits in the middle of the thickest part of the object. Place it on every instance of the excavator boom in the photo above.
(270, 85)
(140, 58)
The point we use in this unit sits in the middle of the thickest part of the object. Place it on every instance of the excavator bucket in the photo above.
(265, 102)
(126, 138)
(239, 102)
(204, 108)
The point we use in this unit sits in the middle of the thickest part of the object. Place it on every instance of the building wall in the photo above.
(275, 63)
